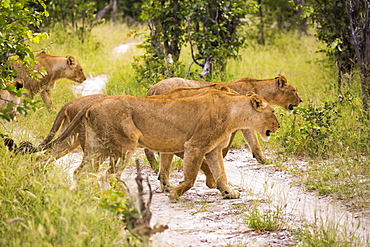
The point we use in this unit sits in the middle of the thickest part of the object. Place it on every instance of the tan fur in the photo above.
(200, 126)
(70, 110)
(63, 119)
(277, 91)
(56, 68)
(10, 97)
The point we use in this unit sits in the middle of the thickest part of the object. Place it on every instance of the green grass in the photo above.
(37, 206)
(329, 235)
(272, 219)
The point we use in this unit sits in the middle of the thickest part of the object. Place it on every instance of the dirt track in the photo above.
(203, 218)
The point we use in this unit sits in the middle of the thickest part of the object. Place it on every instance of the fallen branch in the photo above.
(139, 224)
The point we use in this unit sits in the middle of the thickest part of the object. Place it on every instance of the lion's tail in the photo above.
(27, 147)
(23, 147)
(70, 128)
(56, 125)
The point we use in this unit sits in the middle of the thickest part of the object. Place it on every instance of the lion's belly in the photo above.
(165, 142)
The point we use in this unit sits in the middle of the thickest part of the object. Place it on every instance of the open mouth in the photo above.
(291, 107)
(268, 132)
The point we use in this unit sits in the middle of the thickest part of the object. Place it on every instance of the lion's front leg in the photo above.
(46, 97)
(216, 165)
(210, 182)
(192, 160)
(251, 138)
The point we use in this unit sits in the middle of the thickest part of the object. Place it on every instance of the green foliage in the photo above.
(151, 67)
(331, 21)
(272, 18)
(19, 23)
(265, 219)
(314, 131)
(24, 108)
(324, 236)
(39, 209)
(212, 29)
(77, 16)
(124, 207)
(215, 28)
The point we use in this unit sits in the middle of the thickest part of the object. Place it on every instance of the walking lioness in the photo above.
(277, 91)
(70, 110)
(137, 122)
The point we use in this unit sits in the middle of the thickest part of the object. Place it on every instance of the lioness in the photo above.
(56, 68)
(275, 91)
(137, 122)
(70, 110)
(10, 97)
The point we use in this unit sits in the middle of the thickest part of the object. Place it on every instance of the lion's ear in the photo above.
(226, 89)
(18, 83)
(282, 81)
(258, 103)
(71, 61)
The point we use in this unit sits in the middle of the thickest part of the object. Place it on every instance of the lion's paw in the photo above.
(174, 197)
(211, 183)
(167, 188)
(231, 194)
(262, 160)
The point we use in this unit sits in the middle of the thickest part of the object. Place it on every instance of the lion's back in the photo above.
(171, 83)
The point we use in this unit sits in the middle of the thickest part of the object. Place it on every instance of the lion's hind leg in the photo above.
(90, 162)
(128, 150)
(165, 170)
(64, 147)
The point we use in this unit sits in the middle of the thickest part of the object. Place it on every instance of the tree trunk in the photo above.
(102, 12)
(73, 15)
(302, 27)
(262, 24)
(114, 10)
(359, 25)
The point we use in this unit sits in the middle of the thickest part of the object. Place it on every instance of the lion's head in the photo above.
(267, 120)
(74, 70)
(288, 96)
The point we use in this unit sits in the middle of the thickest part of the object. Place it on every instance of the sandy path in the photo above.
(204, 219)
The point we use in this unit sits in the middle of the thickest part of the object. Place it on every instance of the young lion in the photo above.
(138, 123)
(56, 68)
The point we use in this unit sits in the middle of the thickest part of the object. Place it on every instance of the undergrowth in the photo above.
(39, 209)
